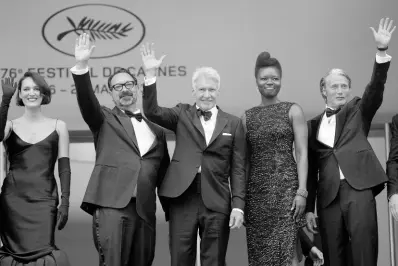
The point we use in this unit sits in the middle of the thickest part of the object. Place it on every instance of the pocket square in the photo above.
(226, 134)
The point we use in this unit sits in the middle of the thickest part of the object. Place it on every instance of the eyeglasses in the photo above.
(129, 85)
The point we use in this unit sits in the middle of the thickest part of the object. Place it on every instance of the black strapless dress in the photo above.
(28, 204)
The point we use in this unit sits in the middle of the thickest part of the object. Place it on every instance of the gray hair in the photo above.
(207, 72)
(336, 71)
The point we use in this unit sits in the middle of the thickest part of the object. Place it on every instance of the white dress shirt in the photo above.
(208, 126)
(327, 128)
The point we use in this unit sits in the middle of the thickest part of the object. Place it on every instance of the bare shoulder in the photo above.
(296, 111)
(60, 125)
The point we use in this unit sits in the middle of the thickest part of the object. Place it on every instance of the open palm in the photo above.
(148, 57)
(9, 86)
(383, 34)
(83, 48)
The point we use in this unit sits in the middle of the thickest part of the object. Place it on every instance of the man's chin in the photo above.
(127, 101)
(206, 107)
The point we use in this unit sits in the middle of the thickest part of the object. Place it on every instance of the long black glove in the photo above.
(64, 178)
(9, 86)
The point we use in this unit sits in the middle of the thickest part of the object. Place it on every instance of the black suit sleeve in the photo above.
(161, 174)
(238, 168)
(373, 95)
(306, 243)
(392, 162)
(164, 117)
(312, 179)
(88, 102)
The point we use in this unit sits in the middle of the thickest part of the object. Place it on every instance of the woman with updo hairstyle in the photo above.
(29, 210)
(276, 188)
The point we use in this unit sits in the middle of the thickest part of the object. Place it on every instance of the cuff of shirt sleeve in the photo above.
(389, 196)
(239, 210)
(384, 59)
(77, 71)
(149, 81)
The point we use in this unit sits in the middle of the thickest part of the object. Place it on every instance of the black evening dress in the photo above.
(28, 204)
(272, 185)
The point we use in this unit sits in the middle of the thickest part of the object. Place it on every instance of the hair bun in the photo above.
(264, 56)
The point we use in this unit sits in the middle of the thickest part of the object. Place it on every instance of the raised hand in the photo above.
(148, 58)
(83, 48)
(383, 34)
(9, 86)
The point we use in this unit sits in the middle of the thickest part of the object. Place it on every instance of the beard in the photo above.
(126, 98)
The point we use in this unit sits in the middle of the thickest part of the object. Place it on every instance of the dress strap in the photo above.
(12, 125)
(56, 121)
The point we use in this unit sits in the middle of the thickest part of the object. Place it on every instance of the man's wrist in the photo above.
(150, 73)
(237, 209)
(81, 65)
(313, 249)
(390, 196)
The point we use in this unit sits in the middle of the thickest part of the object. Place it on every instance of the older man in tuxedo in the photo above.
(344, 172)
(206, 179)
(131, 161)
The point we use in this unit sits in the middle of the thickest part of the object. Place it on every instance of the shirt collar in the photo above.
(135, 112)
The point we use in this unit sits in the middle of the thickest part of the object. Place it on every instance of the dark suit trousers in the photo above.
(350, 223)
(188, 214)
(122, 238)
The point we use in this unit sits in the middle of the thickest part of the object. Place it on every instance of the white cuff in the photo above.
(239, 210)
(384, 59)
(76, 71)
(149, 81)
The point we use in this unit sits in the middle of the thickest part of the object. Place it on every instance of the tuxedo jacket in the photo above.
(222, 161)
(119, 167)
(352, 150)
(392, 162)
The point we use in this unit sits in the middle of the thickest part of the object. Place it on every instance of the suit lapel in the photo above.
(127, 125)
(340, 121)
(317, 124)
(221, 122)
(196, 121)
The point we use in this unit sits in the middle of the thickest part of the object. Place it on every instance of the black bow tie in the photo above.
(206, 114)
(330, 112)
(137, 116)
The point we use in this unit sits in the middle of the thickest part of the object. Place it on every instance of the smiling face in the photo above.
(205, 92)
(268, 81)
(124, 90)
(30, 93)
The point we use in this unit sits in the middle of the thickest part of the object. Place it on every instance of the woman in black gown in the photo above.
(29, 195)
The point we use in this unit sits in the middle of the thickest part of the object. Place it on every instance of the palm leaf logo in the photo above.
(97, 29)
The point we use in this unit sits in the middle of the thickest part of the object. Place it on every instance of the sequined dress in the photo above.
(272, 185)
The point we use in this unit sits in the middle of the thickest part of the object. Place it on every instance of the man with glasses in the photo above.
(131, 160)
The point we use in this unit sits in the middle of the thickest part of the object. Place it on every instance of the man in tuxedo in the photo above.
(131, 161)
(206, 177)
(392, 169)
(344, 174)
